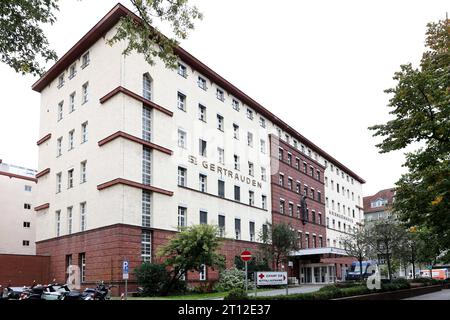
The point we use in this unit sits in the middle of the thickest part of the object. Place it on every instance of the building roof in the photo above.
(113, 17)
(386, 194)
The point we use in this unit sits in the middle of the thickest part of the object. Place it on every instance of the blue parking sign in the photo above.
(125, 269)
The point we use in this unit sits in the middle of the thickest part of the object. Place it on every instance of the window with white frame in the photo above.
(237, 228)
(220, 95)
(237, 193)
(249, 114)
(262, 122)
(85, 93)
(203, 217)
(220, 122)
(82, 266)
(201, 83)
(83, 172)
(59, 146)
(181, 101)
(263, 146)
(61, 81)
(202, 273)
(146, 246)
(69, 220)
(264, 202)
(60, 110)
(182, 216)
(146, 165)
(72, 71)
(182, 139)
(71, 139)
(221, 225)
(250, 139)
(237, 165)
(221, 188)
(58, 223)
(252, 230)
(83, 218)
(182, 173)
(235, 104)
(221, 155)
(85, 60)
(251, 169)
(263, 174)
(147, 86)
(282, 206)
(202, 112)
(28, 188)
(146, 208)
(146, 123)
(72, 102)
(70, 179)
(182, 70)
(202, 147)
(235, 131)
(58, 182)
(203, 180)
(84, 132)
(251, 198)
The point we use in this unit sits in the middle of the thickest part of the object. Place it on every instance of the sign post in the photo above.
(125, 276)
(246, 256)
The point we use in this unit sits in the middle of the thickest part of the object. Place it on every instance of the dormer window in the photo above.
(378, 203)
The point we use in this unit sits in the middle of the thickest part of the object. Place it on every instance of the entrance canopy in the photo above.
(318, 251)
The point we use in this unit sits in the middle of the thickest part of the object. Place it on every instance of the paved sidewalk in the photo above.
(439, 295)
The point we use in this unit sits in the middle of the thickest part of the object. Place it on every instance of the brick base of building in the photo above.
(21, 270)
(106, 248)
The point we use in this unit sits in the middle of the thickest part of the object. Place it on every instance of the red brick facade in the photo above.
(20, 270)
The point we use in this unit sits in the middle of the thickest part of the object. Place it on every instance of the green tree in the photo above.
(152, 277)
(421, 114)
(24, 46)
(189, 249)
(356, 245)
(277, 242)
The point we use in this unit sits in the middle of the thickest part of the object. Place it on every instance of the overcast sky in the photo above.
(321, 66)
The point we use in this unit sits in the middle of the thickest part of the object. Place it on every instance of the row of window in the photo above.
(81, 265)
(70, 177)
(333, 207)
(313, 218)
(203, 187)
(220, 95)
(182, 222)
(71, 139)
(309, 192)
(346, 227)
(341, 189)
(297, 145)
(343, 175)
(312, 171)
(72, 103)
(85, 60)
(69, 219)
(309, 241)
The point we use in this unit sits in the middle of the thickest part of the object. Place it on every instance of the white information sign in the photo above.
(271, 278)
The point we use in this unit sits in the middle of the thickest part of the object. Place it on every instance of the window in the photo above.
(299, 211)
(146, 123)
(291, 209)
(305, 167)
(252, 230)
(72, 102)
(202, 112)
(332, 184)
(146, 166)
(281, 180)
(221, 188)
(85, 60)
(282, 206)
(337, 188)
(182, 176)
(85, 93)
(289, 159)
(307, 240)
(262, 122)
(251, 169)
(203, 217)
(314, 241)
(235, 104)
(220, 95)
(181, 139)
(265, 231)
(237, 228)
(263, 146)
(295, 144)
(147, 86)
(305, 190)
(60, 81)
(71, 139)
(82, 266)
(182, 216)
(69, 220)
(60, 110)
(263, 174)
(58, 223)
(237, 193)
(201, 83)
(84, 132)
(249, 114)
(27, 206)
(279, 132)
(221, 225)
(236, 131)
(313, 216)
(297, 188)
(332, 204)
(26, 243)
(220, 122)
(318, 175)
(182, 70)
(58, 182)
(264, 202)
(250, 139)
(181, 101)
(297, 163)
(237, 165)
(221, 154)
(202, 148)
(146, 246)
(83, 171)
(72, 71)
(202, 182)
(299, 239)
(202, 273)
(319, 196)
(146, 209)
(28, 188)
(70, 179)
(83, 214)
(286, 138)
(311, 171)
(26, 224)
(312, 194)
(251, 198)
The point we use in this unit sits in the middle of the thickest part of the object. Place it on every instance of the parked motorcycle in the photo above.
(100, 292)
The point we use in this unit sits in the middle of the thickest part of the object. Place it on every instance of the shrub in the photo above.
(354, 291)
(152, 278)
(231, 279)
(236, 294)
(396, 284)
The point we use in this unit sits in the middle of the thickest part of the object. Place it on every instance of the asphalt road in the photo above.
(439, 295)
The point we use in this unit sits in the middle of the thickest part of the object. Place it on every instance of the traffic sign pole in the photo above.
(246, 276)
